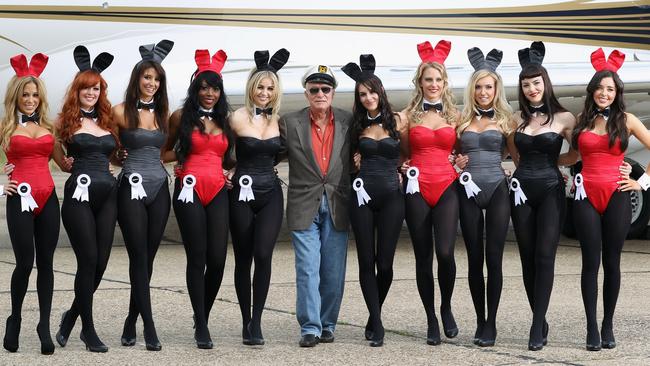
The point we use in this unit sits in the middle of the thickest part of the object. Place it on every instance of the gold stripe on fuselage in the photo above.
(619, 24)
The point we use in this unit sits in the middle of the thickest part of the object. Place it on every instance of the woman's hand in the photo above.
(11, 187)
(625, 169)
(9, 168)
(67, 164)
(356, 158)
(461, 161)
(405, 166)
(121, 154)
(228, 174)
(626, 184)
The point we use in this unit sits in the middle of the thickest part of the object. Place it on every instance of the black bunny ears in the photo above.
(363, 72)
(82, 59)
(489, 62)
(156, 52)
(278, 60)
(533, 55)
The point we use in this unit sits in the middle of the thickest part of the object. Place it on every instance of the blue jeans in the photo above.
(321, 253)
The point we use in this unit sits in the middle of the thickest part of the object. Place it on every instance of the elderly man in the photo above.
(318, 147)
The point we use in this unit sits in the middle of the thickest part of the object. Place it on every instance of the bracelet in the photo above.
(644, 181)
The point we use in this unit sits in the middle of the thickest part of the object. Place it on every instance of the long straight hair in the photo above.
(132, 95)
(359, 112)
(14, 92)
(549, 99)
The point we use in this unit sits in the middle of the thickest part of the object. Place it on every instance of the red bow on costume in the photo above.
(35, 67)
(205, 63)
(614, 63)
(438, 54)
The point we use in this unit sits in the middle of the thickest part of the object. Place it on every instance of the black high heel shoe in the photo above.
(63, 333)
(255, 333)
(377, 339)
(204, 343)
(478, 333)
(12, 332)
(488, 336)
(99, 347)
(367, 333)
(607, 335)
(545, 333)
(47, 346)
(535, 344)
(151, 340)
(449, 324)
(433, 333)
(128, 333)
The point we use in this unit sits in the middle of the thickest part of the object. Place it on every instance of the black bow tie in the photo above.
(89, 114)
(148, 106)
(604, 113)
(205, 113)
(542, 109)
(489, 113)
(34, 117)
(268, 111)
(427, 106)
(369, 121)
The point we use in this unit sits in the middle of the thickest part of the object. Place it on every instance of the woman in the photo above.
(538, 202)
(256, 201)
(142, 123)
(431, 198)
(198, 140)
(89, 210)
(380, 201)
(485, 125)
(32, 205)
(602, 220)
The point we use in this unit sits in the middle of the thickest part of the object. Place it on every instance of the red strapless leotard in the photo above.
(204, 162)
(430, 151)
(600, 167)
(31, 157)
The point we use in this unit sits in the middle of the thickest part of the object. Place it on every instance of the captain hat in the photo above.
(319, 74)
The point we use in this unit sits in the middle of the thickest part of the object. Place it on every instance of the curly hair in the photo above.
(616, 122)
(190, 115)
(502, 110)
(70, 116)
(414, 108)
(14, 92)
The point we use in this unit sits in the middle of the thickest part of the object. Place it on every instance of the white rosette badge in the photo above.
(27, 202)
(245, 190)
(137, 190)
(187, 193)
(515, 187)
(362, 195)
(81, 192)
(579, 181)
(413, 185)
(471, 189)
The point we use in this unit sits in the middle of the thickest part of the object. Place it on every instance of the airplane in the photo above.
(337, 32)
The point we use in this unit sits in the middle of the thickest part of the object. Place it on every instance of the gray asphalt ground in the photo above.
(403, 315)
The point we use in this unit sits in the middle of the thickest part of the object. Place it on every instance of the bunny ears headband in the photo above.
(156, 52)
(363, 71)
(600, 63)
(206, 63)
(533, 55)
(82, 59)
(480, 62)
(278, 60)
(34, 68)
(438, 54)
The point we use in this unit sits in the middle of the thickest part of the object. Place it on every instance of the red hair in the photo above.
(70, 116)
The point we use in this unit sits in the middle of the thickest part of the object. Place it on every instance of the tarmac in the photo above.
(403, 315)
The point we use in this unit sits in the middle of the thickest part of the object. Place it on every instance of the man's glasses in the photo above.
(324, 89)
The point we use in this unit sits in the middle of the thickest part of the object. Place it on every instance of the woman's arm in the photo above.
(638, 130)
(167, 154)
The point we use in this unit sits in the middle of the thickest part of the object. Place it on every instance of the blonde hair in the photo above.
(502, 110)
(14, 91)
(254, 80)
(414, 108)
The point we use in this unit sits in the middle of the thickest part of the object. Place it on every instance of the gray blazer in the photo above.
(306, 182)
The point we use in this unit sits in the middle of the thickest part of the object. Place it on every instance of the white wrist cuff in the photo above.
(644, 181)
(2, 190)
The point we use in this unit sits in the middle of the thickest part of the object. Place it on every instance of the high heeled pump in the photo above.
(47, 346)
(12, 332)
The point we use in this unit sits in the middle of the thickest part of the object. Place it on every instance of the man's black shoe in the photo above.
(326, 336)
(309, 340)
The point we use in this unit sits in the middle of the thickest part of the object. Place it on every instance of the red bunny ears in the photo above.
(34, 68)
(205, 63)
(438, 54)
(600, 63)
